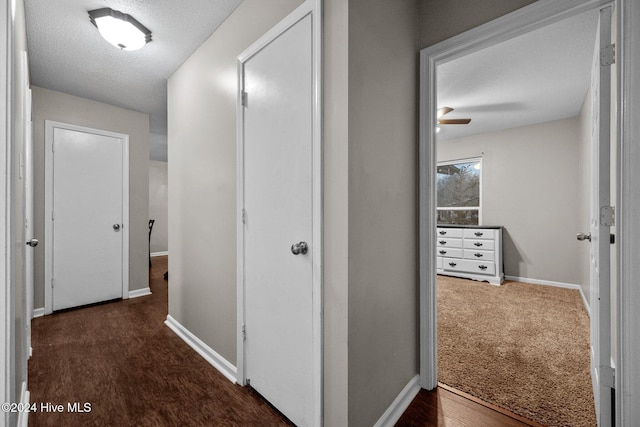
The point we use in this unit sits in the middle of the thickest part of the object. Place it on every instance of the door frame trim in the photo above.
(48, 205)
(627, 225)
(313, 8)
(528, 18)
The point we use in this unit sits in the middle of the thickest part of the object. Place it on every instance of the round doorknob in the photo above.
(582, 236)
(33, 243)
(299, 248)
(116, 227)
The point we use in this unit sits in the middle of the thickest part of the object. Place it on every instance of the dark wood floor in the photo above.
(133, 371)
(448, 407)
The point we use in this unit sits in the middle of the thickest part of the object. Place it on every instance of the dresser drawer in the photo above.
(478, 233)
(448, 242)
(449, 252)
(449, 232)
(469, 266)
(478, 255)
(486, 245)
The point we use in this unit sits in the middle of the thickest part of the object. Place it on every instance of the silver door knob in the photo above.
(116, 227)
(299, 248)
(583, 237)
(33, 243)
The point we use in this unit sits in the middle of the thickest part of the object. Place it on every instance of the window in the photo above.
(458, 191)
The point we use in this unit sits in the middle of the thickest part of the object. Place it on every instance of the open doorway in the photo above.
(520, 162)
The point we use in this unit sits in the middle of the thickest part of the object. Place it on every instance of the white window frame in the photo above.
(463, 208)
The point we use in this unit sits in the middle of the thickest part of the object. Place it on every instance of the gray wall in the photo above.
(57, 106)
(530, 186)
(383, 229)
(158, 208)
(440, 20)
(336, 212)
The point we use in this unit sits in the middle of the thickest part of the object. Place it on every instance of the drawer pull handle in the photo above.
(482, 267)
(442, 233)
(478, 244)
(478, 255)
(443, 242)
(443, 252)
(478, 233)
(452, 264)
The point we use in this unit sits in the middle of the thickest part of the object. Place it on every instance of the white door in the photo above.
(278, 207)
(87, 218)
(601, 222)
(29, 232)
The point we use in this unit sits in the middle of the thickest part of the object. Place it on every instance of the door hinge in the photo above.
(245, 99)
(607, 216)
(244, 332)
(607, 376)
(52, 282)
(52, 216)
(244, 216)
(608, 55)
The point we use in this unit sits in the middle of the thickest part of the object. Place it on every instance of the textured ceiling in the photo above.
(540, 76)
(67, 53)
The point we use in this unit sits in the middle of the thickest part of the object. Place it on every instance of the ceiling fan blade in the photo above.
(454, 121)
(444, 110)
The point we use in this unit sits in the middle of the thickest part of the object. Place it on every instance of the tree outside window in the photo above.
(458, 192)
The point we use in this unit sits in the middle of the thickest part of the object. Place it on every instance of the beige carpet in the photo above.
(520, 346)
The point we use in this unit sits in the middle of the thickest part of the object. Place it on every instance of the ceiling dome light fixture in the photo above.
(120, 29)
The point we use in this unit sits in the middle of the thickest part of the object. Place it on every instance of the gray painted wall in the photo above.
(383, 230)
(440, 20)
(336, 212)
(158, 208)
(530, 186)
(158, 147)
(57, 106)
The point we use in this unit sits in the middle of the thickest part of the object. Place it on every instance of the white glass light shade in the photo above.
(120, 29)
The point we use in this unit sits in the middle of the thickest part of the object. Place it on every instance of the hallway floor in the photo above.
(131, 370)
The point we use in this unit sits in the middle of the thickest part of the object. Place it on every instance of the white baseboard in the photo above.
(556, 284)
(163, 253)
(400, 404)
(23, 416)
(140, 292)
(38, 312)
(217, 361)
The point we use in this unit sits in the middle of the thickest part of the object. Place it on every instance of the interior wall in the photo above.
(383, 227)
(202, 176)
(158, 207)
(530, 186)
(336, 211)
(61, 107)
(440, 20)
(158, 147)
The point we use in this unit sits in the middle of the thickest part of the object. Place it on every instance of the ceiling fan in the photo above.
(446, 110)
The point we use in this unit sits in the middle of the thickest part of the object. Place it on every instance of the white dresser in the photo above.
(473, 252)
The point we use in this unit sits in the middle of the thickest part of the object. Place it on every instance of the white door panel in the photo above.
(87, 203)
(278, 204)
(601, 227)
